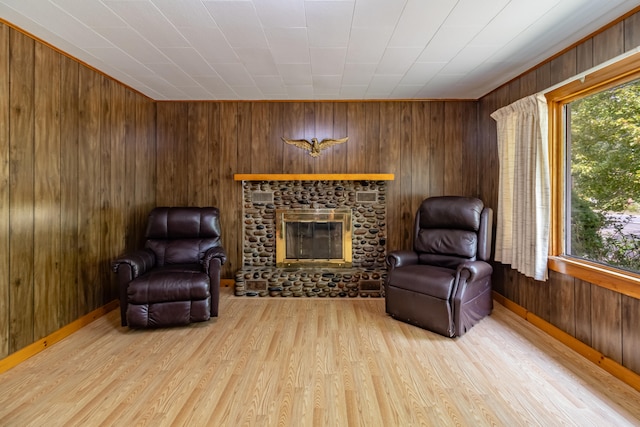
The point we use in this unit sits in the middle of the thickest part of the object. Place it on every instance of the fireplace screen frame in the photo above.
(337, 215)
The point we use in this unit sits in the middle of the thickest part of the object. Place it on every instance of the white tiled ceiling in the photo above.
(314, 49)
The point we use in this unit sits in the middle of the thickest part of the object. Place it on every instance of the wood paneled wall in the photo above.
(603, 319)
(77, 179)
(430, 147)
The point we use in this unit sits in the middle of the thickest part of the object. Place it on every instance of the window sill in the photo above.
(626, 283)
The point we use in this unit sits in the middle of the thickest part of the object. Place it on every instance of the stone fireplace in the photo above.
(313, 235)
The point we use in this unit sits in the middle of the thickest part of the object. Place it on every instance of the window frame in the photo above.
(617, 73)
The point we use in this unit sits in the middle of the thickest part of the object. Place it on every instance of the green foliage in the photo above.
(605, 144)
(605, 172)
(586, 241)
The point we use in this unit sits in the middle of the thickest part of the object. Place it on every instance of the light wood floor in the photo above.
(304, 362)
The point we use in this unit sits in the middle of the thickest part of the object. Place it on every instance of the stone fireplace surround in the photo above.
(364, 194)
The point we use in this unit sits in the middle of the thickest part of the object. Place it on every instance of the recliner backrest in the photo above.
(182, 235)
(452, 229)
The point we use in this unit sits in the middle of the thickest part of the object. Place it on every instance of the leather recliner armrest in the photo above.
(476, 270)
(139, 261)
(397, 259)
(217, 252)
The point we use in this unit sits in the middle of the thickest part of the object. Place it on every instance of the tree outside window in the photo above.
(603, 146)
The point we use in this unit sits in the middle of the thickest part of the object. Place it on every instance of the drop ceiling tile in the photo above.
(58, 22)
(406, 91)
(147, 20)
(239, 23)
(257, 61)
(378, 13)
(131, 42)
(325, 61)
(419, 22)
(326, 83)
(512, 20)
(211, 44)
(469, 58)
(270, 85)
(300, 92)
(421, 72)
(446, 43)
(474, 13)
(295, 74)
(321, 14)
(248, 92)
(114, 55)
(353, 92)
(358, 74)
(283, 13)
(214, 84)
(234, 74)
(288, 45)
(185, 13)
(172, 73)
(189, 60)
(396, 60)
(196, 93)
(367, 44)
(329, 23)
(92, 13)
(383, 83)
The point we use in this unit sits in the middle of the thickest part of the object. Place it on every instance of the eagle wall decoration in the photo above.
(314, 146)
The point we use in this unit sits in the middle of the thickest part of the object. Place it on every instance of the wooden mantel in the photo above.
(313, 177)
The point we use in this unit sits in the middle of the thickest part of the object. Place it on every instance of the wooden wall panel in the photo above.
(422, 157)
(21, 198)
(198, 155)
(404, 209)
(78, 168)
(5, 310)
(357, 133)
(608, 44)
(606, 322)
(632, 32)
(46, 229)
(229, 196)
(69, 191)
(89, 94)
(583, 310)
(144, 152)
(436, 154)
(561, 302)
(631, 333)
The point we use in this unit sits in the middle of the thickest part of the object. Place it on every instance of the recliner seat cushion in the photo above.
(438, 282)
(164, 286)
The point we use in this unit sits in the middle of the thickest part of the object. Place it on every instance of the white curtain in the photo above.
(524, 199)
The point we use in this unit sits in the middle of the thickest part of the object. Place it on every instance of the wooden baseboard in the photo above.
(32, 349)
(227, 282)
(614, 368)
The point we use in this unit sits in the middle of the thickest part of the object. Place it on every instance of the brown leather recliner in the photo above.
(175, 279)
(444, 283)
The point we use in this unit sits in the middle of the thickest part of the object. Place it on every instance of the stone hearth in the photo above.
(259, 275)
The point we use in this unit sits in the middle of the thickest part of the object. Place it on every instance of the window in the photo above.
(595, 163)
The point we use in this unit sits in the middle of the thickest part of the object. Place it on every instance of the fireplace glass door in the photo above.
(313, 237)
